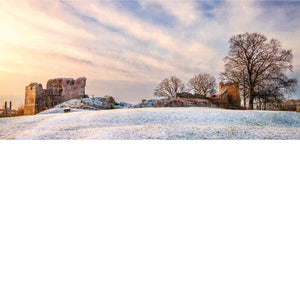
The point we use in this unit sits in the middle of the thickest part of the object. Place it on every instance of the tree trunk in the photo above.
(250, 98)
(244, 96)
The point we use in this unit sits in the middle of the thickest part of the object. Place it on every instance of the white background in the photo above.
(149, 220)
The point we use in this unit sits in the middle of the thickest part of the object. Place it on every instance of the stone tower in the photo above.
(230, 92)
(36, 99)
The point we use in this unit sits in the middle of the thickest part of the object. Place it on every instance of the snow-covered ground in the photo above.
(88, 103)
(153, 123)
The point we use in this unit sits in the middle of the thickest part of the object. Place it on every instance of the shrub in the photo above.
(20, 111)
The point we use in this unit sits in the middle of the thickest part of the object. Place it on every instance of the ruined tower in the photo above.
(36, 99)
(230, 92)
(58, 90)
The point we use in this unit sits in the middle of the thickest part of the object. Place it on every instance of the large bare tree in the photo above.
(169, 87)
(255, 61)
(203, 84)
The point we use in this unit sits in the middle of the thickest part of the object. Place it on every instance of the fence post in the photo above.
(5, 109)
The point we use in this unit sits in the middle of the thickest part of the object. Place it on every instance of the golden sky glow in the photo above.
(126, 48)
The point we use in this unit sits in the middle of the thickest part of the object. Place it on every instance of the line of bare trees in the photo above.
(259, 67)
(203, 84)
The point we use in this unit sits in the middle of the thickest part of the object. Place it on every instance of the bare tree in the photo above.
(274, 91)
(203, 84)
(253, 58)
(169, 87)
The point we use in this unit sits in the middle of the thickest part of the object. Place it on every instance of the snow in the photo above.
(153, 123)
(84, 103)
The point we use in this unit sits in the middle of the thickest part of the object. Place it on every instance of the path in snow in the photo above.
(153, 123)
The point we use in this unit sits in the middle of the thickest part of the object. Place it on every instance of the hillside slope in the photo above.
(153, 123)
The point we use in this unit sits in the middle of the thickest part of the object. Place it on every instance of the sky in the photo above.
(125, 48)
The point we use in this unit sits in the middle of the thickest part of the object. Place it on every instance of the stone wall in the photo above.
(186, 102)
(58, 90)
(65, 89)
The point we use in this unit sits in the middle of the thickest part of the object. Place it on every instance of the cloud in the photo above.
(184, 11)
(138, 43)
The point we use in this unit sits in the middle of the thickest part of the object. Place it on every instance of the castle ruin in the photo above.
(58, 90)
